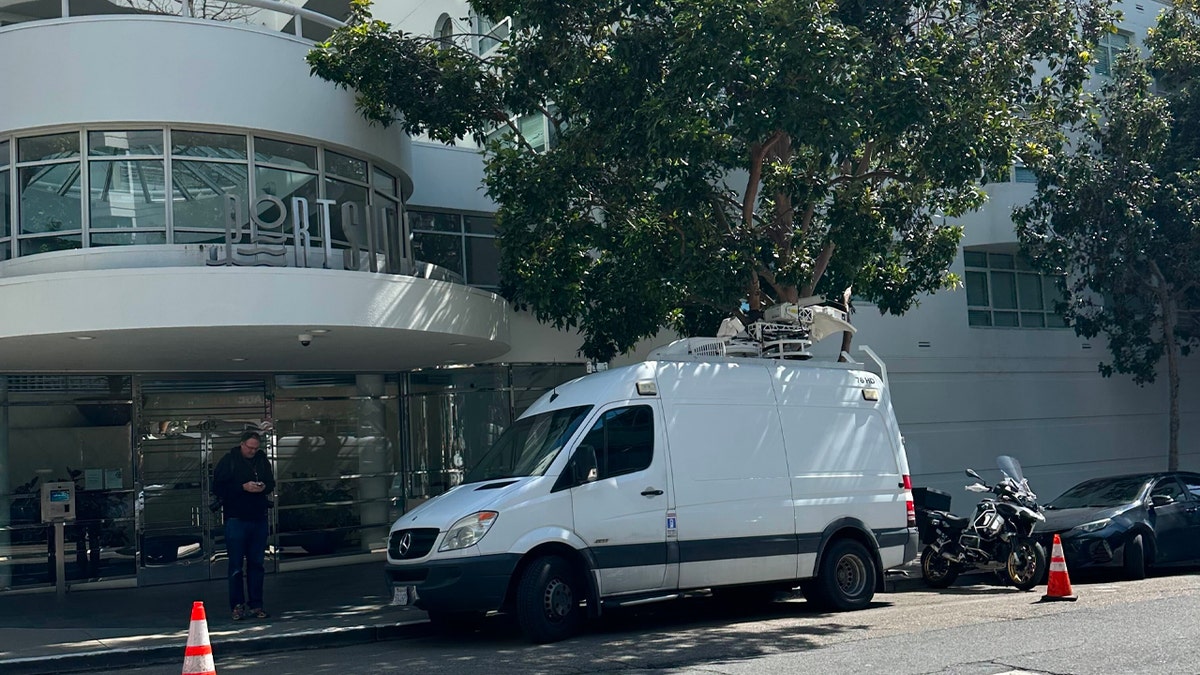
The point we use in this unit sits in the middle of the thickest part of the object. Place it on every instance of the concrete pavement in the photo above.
(125, 627)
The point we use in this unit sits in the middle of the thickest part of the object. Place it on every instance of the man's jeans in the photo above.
(246, 539)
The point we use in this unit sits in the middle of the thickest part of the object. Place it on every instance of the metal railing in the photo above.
(229, 11)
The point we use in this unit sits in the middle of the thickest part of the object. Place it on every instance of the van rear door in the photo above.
(622, 513)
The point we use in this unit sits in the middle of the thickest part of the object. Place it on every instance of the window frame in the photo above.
(1013, 267)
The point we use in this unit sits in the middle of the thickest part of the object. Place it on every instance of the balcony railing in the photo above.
(271, 15)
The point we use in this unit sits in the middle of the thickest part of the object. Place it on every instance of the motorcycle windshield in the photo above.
(1011, 467)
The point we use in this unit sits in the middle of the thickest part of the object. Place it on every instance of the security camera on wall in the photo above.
(305, 339)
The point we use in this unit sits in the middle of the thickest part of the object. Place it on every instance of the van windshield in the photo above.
(529, 446)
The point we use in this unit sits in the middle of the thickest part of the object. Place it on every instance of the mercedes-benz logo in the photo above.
(405, 544)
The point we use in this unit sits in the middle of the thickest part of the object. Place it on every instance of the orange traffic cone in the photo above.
(1058, 587)
(198, 657)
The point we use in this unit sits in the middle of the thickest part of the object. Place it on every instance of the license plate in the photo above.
(404, 596)
(400, 595)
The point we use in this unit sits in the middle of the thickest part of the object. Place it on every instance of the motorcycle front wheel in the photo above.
(1026, 563)
(936, 570)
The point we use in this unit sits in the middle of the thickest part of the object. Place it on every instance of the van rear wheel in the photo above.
(548, 597)
(846, 580)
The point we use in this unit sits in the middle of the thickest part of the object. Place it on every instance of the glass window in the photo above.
(483, 261)
(36, 245)
(1002, 261)
(975, 258)
(1168, 487)
(623, 440)
(199, 193)
(434, 222)
(1110, 45)
(1033, 320)
(977, 291)
(50, 199)
(1024, 175)
(110, 143)
(480, 224)
(1004, 290)
(343, 193)
(440, 249)
(127, 238)
(1006, 319)
(529, 446)
(1192, 482)
(128, 194)
(5, 206)
(533, 128)
(285, 185)
(347, 167)
(979, 318)
(1029, 291)
(4, 154)
(206, 145)
(270, 151)
(384, 182)
(41, 148)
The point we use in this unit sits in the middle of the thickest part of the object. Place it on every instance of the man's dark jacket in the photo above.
(232, 471)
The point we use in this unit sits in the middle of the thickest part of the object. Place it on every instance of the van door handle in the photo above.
(651, 492)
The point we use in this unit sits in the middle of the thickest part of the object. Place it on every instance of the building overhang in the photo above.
(243, 319)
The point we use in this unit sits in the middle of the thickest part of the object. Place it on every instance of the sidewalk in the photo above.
(127, 627)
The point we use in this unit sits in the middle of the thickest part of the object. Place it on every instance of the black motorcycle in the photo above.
(997, 537)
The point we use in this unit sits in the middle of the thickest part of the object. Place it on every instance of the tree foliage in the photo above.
(708, 153)
(1117, 212)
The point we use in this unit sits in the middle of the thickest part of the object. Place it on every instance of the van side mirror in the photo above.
(583, 465)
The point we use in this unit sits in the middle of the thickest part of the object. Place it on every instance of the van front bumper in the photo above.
(459, 585)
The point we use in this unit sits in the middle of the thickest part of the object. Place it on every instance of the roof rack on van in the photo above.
(785, 331)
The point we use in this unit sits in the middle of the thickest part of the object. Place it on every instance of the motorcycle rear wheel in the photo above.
(1026, 564)
(936, 570)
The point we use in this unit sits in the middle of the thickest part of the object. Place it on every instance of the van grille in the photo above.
(419, 543)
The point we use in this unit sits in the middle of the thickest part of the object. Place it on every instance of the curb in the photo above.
(115, 659)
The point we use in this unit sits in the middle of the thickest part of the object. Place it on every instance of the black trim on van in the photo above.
(708, 550)
(463, 585)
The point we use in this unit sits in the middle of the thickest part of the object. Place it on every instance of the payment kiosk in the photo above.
(58, 506)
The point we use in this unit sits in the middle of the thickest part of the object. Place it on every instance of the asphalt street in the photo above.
(1150, 626)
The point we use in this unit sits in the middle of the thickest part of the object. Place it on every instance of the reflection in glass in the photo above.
(270, 151)
(5, 206)
(199, 192)
(384, 182)
(128, 194)
(285, 185)
(342, 193)
(114, 143)
(50, 244)
(40, 148)
(483, 261)
(209, 146)
(480, 224)
(347, 167)
(440, 249)
(433, 221)
(50, 200)
(3, 154)
(128, 238)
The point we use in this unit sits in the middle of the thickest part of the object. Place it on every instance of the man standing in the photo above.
(242, 481)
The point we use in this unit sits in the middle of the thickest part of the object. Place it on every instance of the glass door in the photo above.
(184, 428)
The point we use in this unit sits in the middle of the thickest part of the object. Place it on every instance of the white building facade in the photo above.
(198, 237)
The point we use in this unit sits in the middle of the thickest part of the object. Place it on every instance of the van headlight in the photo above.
(468, 531)
(1094, 526)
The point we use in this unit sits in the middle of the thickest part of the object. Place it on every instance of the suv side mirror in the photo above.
(1161, 500)
(583, 465)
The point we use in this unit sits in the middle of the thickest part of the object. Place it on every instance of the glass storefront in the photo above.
(351, 454)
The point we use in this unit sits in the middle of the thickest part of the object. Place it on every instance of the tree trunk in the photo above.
(1169, 321)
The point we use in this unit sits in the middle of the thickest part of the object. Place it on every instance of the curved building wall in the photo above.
(160, 69)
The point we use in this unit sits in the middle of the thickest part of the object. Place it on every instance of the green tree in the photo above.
(713, 152)
(1117, 212)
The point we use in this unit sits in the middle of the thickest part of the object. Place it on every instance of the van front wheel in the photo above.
(548, 598)
(846, 580)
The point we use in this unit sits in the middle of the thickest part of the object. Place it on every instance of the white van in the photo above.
(741, 475)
